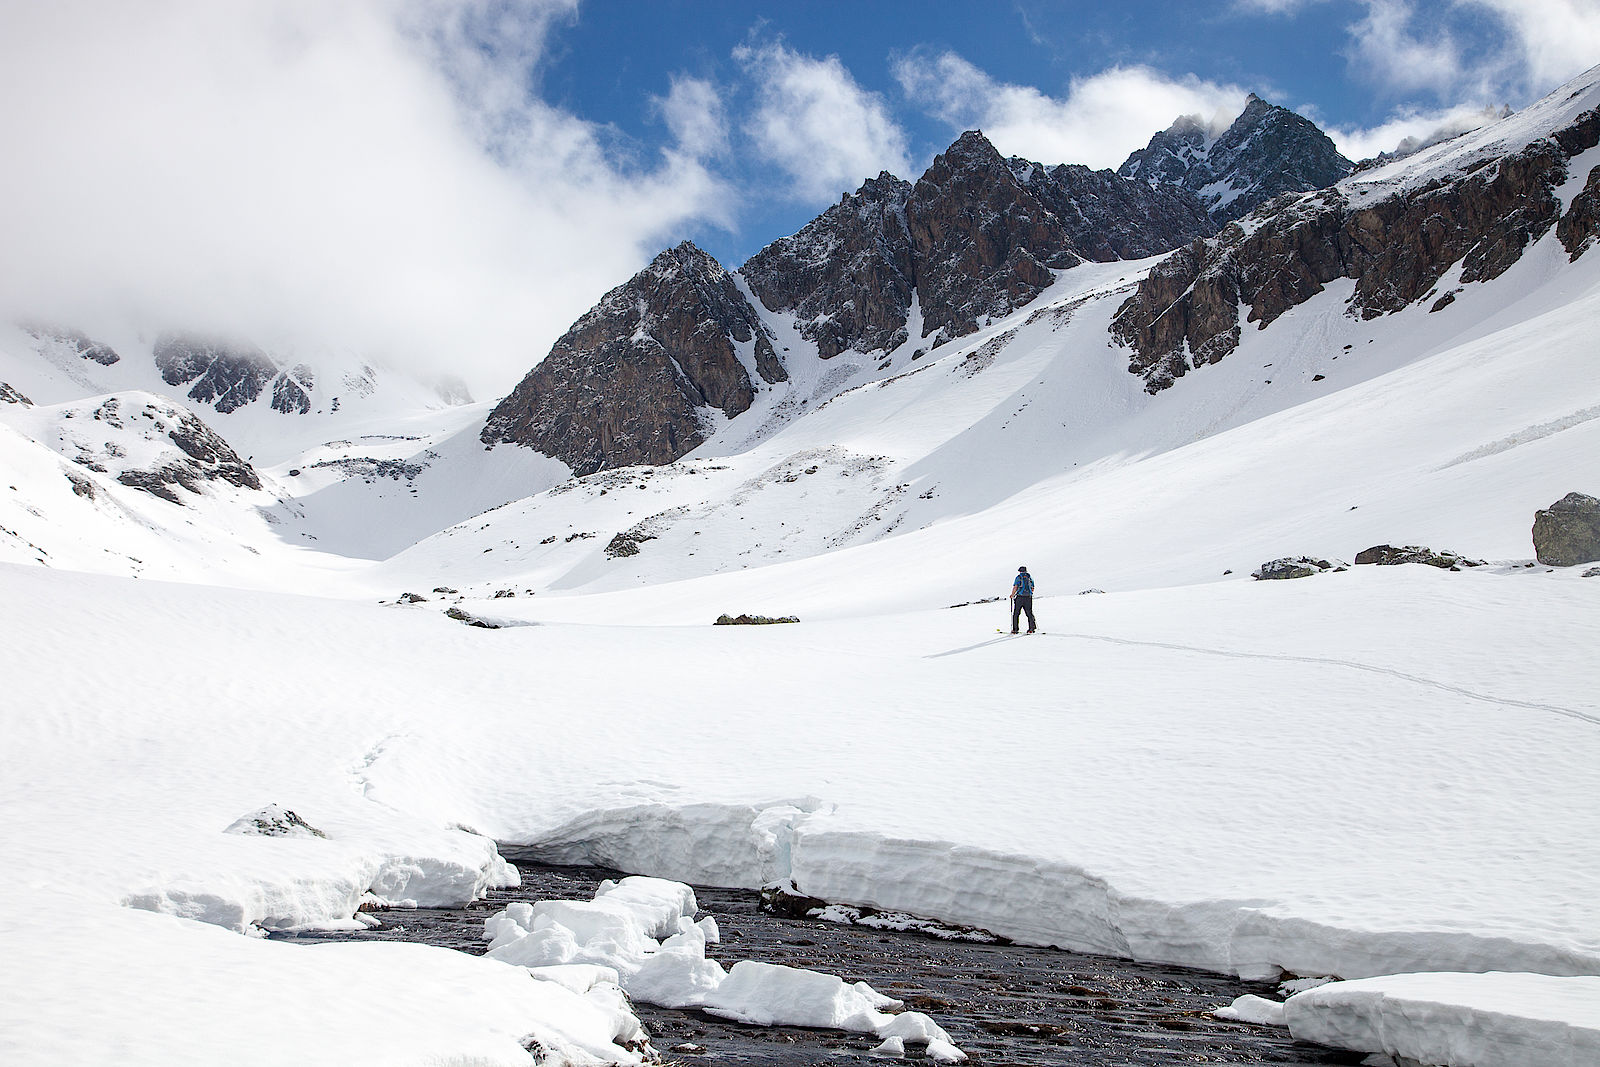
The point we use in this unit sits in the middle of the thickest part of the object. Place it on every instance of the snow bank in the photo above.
(144, 990)
(616, 933)
(1457, 1020)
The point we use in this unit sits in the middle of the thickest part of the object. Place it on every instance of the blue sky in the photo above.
(455, 181)
(1368, 71)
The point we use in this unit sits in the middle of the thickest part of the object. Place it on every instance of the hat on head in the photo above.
(1022, 570)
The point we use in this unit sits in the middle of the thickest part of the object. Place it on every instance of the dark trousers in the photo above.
(1020, 604)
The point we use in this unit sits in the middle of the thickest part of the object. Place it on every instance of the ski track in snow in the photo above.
(1554, 709)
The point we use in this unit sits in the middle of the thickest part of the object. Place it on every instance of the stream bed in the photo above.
(1002, 1004)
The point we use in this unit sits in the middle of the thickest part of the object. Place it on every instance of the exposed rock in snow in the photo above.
(1292, 567)
(1568, 532)
(273, 821)
(75, 341)
(225, 374)
(146, 442)
(1389, 556)
(9, 395)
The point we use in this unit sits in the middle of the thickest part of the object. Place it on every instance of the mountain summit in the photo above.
(1267, 151)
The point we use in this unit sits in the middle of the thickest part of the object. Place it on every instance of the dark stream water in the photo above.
(1002, 1004)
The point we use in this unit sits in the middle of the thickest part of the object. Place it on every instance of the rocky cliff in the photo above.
(1396, 244)
(977, 235)
(848, 275)
(988, 232)
(1267, 151)
(637, 378)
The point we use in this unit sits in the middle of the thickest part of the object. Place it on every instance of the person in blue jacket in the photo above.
(1022, 599)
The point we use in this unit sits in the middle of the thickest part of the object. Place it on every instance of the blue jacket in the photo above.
(1023, 586)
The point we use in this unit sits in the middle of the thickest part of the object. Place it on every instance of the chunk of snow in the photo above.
(1457, 1020)
(1253, 1009)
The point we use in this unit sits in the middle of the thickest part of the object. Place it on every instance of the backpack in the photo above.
(1024, 583)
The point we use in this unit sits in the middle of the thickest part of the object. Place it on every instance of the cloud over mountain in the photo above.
(376, 174)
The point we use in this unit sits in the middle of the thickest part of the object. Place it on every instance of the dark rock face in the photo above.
(1580, 226)
(9, 395)
(225, 375)
(1184, 314)
(1266, 152)
(988, 232)
(753, 620)
(630, 381)
(291, 391)
(214, 457)
(1568, 532)
(1389, 556)
(977, 235)
(848, 275)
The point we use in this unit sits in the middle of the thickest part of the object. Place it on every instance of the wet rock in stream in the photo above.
(1002, 1004)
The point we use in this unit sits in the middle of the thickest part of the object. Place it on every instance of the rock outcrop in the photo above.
(1396, 246)
(8, 395)
(151, 444)
(1292, 567)
(636, 378)
(230, 374)
(227, 375)
(76, 341)
(1267, 151)
(1390, 556)
(1568, 532)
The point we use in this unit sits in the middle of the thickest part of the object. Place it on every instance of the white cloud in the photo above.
(372, 173)
(1555, 39)
(694, 113)
(1389, 50)
(815, 122)
(1410, 130)
(1273, 7)
(1530, 47)
(1100, 121)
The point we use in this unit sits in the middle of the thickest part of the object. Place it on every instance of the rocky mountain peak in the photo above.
(1265, 152)
(1395, 240)
(977, 235)
(847, 275)
(637, 378)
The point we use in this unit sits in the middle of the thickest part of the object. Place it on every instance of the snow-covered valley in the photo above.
(1370, 773)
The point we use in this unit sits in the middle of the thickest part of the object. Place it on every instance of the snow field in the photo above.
(1331, 776)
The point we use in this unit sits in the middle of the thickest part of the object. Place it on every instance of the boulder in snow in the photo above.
(1568, 532)
(1390, 556)
(1292, 567)
(273, 821)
